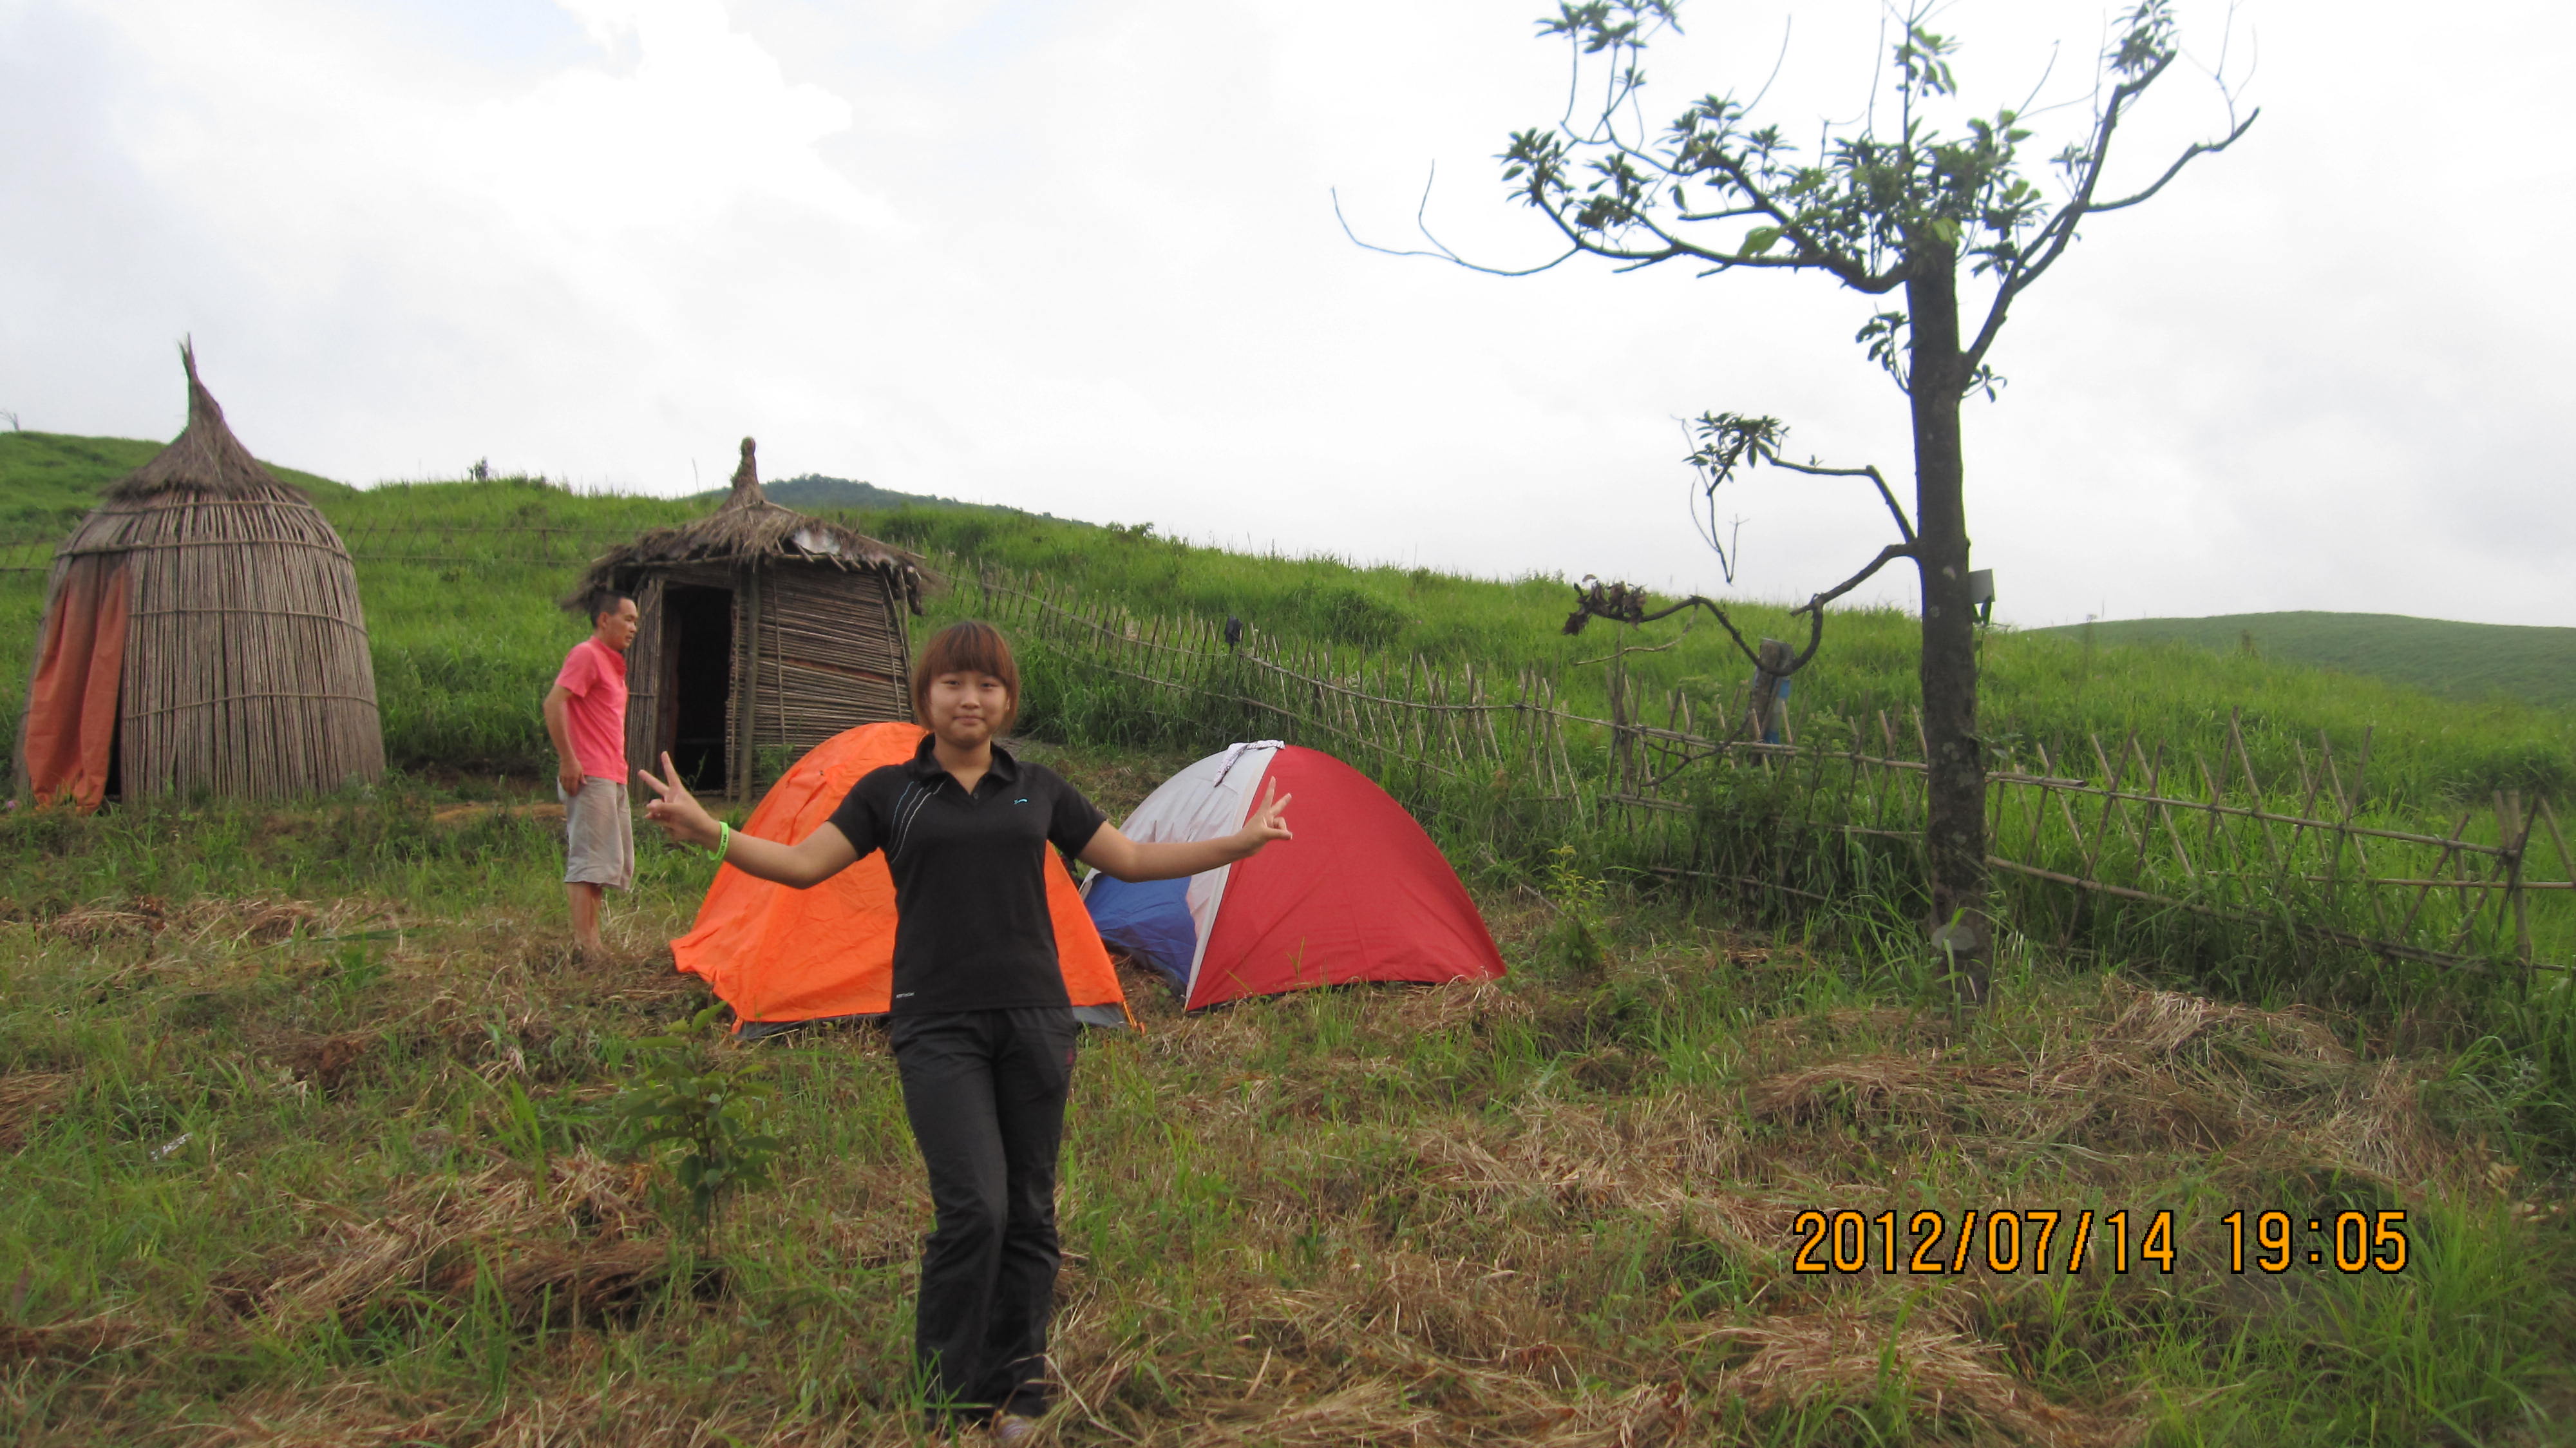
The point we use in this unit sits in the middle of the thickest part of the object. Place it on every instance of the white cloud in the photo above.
(1079, 256)
(408, 255)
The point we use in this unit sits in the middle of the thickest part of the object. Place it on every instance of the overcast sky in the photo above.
(1080, 256)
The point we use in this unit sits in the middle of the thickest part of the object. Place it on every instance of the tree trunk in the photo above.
(1954, 825)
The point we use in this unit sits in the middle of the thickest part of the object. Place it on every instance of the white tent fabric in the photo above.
(1206, 801)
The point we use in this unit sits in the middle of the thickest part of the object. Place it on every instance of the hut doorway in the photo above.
(697, 661)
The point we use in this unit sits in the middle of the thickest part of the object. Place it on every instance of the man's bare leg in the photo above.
(584, 898)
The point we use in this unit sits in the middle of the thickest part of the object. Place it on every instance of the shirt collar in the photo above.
(925, 763)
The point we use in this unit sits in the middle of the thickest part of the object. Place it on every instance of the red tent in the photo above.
(1361, 893)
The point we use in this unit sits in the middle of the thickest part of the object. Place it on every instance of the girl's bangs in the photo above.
(970, 648)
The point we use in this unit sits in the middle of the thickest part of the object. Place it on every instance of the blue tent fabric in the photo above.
(1150, 922)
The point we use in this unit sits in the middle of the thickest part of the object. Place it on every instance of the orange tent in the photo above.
(781, 956)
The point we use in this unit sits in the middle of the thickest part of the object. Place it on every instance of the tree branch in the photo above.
(1813, 608)
(1730, 214)
(1816, 605)
(1852, 272)
(2059, 232)
(1441, 251)
(1622, 603)
(1904, 528)
(1673, 248)
(2195, 149)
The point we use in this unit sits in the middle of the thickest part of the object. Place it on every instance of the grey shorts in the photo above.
(599, 835)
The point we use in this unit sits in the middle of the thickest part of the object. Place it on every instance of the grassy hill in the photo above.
(465, 636)
(48, 480)
(2455, 660)
(307, 1126)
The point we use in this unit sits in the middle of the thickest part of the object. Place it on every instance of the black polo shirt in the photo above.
(972, 931)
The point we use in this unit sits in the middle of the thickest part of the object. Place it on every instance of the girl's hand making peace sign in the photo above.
(1268, 821)
(809, 862)
(1120, 858)
(677, 811)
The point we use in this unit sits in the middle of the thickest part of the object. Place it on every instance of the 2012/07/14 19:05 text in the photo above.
(2026, 1240)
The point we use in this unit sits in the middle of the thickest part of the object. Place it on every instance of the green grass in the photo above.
(303, 1108)
(304, 1136)
(2468, 661)
(48, 480)
(462, 644)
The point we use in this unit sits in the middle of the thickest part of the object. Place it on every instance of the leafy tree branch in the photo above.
(1905, 209)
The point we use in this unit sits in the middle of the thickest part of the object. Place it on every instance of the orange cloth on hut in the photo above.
(776, 954)
(72, 708)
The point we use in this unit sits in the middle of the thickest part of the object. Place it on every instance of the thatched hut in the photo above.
(764, 632)
(201, 632)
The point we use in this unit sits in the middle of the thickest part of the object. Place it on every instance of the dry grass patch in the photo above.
(71, 1344)
(234, 920)
(1665, 1156)
(26, 1096)
(2139, 1073)
(1928, 1360)
(541, 812)
(577, 1246)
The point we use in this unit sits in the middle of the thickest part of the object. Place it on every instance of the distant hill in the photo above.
(49, 481)
(813, 492)
(2458, 660)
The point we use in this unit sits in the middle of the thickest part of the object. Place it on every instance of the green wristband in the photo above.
(724, 840)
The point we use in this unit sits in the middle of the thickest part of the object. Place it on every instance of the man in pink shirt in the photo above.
(586, 718)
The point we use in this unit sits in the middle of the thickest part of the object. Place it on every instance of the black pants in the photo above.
(985, 1092)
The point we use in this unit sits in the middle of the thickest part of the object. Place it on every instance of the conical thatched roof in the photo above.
(205, 460)
(204, 468)
(751, 528)
(245, 667)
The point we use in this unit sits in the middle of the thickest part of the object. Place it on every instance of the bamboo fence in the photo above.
(1686, 792)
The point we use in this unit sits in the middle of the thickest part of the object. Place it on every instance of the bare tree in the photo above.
(1896, 209)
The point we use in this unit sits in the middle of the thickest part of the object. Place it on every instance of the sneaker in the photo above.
(1013, 1428)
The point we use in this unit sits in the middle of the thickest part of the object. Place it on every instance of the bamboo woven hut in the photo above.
(201, 632)
(762, 633)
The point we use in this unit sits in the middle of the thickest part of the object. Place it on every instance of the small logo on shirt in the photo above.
(1019, 801)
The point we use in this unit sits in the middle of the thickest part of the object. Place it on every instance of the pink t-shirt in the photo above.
(595, 676)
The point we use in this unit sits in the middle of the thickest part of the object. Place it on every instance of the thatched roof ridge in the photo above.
(204, 488)
(750, 528)
(205, 460)
(747, 492)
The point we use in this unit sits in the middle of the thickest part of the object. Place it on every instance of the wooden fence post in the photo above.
(1767, 724)
(2513, 832)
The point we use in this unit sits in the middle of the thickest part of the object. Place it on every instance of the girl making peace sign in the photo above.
(982, 1030)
